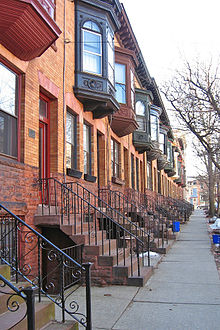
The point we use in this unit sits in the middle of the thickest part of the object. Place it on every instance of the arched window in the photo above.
(92, 48)
(140, 115)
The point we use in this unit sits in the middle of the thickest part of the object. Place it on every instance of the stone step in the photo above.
(140, 281)
(98, 250)
(68, 325)
(44, 313)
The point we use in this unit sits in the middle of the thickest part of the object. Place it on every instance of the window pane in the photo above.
(92, 42)
(162, 142)
(141, 123)
(154, 127)
(91, 26)
(92, 63)
(111, 74)
(140, 108)
(120, 93)
(7, 90)
(86, 149)
(68, 155)
(120, 73)
(70, 128)
(8, 134)
(42, 108)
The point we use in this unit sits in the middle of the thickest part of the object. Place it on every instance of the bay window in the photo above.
(92, 48)
(8, 111)
(95, 25)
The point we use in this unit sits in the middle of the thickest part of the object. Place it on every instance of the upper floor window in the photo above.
(120, 82)
(71, 141)
(132, 89)
(111, 60)
(8, 111)
(169, 152)
(154, 123)
(92, 48)
(162, 141)
(115, 149)
(87, 148)
(140, 116)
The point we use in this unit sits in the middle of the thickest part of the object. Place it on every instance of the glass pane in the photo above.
(86, 141)
(91, 26)
(141, 123)
(8, 134)
(92, 63)
(7, 90)
(154, 127)
(120, 73)
(69, 155)
(140, 108)
(70, 128)
(92, 42)
(120, 93)
(111, 74)
(43, 108)
(162, 141)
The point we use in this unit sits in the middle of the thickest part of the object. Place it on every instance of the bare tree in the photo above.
(194, 93)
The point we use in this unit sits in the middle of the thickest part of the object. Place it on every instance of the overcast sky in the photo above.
(169, 31)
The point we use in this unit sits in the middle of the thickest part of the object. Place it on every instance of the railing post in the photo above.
(30, 308)
(148, 250)
(87, 267)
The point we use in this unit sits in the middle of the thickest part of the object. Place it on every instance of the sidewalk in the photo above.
(183, 293)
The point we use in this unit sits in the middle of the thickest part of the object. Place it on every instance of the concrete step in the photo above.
(44, 313)
(96, 250)
(68, 325)
(140, 281)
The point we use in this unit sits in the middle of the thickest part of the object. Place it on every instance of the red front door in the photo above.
(44, 148)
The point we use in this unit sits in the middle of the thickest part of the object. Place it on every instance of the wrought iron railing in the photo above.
(99, 222)
(27, 252)
(137, 212)
(16, 299)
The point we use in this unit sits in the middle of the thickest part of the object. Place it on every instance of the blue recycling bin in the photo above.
(216, 239)
(176, 226)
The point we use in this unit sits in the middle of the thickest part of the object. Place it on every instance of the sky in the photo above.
(169, 31)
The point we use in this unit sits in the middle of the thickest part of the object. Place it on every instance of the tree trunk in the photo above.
(211, 187)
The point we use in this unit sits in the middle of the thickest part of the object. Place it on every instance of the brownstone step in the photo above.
(68, 325)
(44, 313)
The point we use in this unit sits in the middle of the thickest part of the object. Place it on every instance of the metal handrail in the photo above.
(109, 207)
(26, 240)
(27, 294)
(73, 208)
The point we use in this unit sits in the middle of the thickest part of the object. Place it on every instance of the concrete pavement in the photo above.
(183, 293)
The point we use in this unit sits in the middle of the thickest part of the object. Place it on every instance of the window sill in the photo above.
(118, 181)
(89, 178)
(74, 173)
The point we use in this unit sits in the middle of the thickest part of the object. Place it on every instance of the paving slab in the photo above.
(182, 294)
